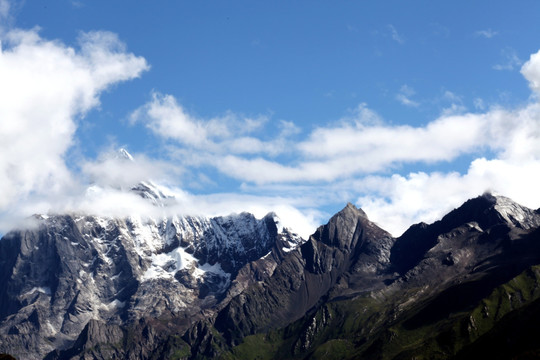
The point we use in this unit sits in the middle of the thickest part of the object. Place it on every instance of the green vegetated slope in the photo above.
(501, 325)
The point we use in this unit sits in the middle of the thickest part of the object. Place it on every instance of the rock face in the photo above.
(353, 288)
(349, 247)
(70, 271)
(189, 287)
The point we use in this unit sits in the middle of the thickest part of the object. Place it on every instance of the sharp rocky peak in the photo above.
(347, 227)
(350, 208)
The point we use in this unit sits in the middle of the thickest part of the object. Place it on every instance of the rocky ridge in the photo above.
(191, 287)
(72, 269)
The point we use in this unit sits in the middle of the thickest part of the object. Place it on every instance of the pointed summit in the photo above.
(345, 228)
(350, 208)
(124, 154)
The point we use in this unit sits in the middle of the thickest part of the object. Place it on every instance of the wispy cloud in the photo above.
(352, 28)
(510, 60)
(397, 37)
(77, 4)
(479, 103)
(405, 94)
(488, 33)
(4, 9)
(439, 30)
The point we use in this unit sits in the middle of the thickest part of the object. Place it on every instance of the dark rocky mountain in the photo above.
(71, 273)
(80, 287)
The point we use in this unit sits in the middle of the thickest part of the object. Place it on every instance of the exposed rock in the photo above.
(86, 287)
(71, 271)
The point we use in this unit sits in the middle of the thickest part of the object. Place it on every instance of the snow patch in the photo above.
(116, 304)
(44, 290)
(166, 265)
(216, 269)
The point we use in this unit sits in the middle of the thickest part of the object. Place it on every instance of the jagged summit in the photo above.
(488, 214)
(154, 193)
(351, 208)
(77, 268)
(102, 287)
(489, 209)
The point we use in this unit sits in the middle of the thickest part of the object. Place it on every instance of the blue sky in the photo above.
(403, 108)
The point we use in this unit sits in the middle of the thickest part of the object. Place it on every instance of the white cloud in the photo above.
(364, 144)
(531, 71)
(45, 87)
(165, 117)
(487, 33)
(399, 201)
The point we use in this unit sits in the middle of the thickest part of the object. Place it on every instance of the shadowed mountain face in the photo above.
(237, 287)
(349, 246)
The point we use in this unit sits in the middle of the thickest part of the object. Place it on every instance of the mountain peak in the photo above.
(516, 214)
(489, 209)
(124, 154)
(350, 208)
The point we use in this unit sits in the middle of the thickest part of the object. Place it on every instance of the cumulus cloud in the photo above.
(398, 201)
(230, 133)
(531, 71)
(165, 117)
(46, 86)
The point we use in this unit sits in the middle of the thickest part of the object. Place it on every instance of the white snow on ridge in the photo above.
(513, 212)
(216, 269)
(279, 224)
(166, 265)
(44, 290)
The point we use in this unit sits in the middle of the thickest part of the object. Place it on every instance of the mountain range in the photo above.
(76, 286)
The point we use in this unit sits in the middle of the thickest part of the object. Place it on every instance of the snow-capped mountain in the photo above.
(189, 287)
(74, 268)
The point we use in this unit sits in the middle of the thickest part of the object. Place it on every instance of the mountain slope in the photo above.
(237, 287)
(349, 243)
(71, 269)
(446, 271)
